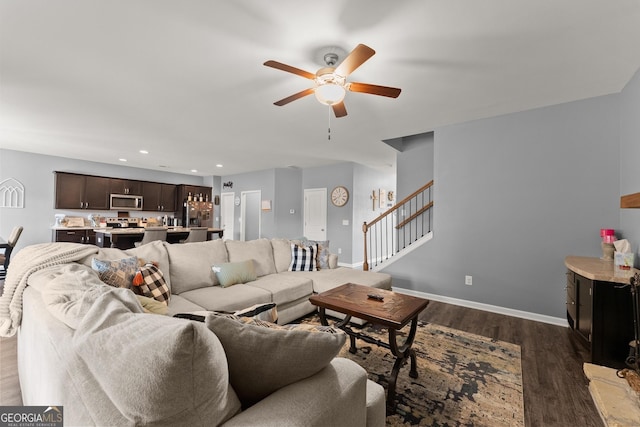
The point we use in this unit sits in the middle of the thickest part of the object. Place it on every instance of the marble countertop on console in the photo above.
(598, 269)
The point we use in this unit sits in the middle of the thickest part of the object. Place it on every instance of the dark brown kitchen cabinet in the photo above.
(194, 190)
(125, 186)
(83, 236)
(158, 197)
(75, 191)
(601, 314)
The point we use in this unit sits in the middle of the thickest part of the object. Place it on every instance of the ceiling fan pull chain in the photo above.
(329, 133)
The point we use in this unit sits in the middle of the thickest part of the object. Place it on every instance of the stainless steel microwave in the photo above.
(125, 202)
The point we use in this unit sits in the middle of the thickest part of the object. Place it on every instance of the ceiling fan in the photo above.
(331, 81)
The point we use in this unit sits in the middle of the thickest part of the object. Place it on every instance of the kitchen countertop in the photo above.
(140, 230)
(598, 269)
(61, 227)
(128, 230)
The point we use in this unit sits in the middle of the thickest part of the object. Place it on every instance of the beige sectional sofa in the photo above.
(193, 284)
(92, 349)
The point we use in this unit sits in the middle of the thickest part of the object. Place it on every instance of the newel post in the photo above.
(365, 265)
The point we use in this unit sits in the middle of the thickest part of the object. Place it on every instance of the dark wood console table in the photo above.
(600, 308)
(394, 311)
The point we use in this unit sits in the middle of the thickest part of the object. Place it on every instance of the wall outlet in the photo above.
(339, 251)
(468, 280)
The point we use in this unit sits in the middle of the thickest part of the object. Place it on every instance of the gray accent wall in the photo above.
(630, 160)
(329, 177)
(35, 172)
(414, 163)
(289, 198)
(514, 195)
(263, 181)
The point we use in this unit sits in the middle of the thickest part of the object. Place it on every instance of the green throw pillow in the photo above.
(232, 273)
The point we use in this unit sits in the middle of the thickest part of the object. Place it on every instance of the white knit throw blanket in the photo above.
(26, 262)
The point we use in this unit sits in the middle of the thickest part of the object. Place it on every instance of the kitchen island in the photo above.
(125, 238)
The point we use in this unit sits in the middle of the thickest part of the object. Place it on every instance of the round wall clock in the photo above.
(339, 196)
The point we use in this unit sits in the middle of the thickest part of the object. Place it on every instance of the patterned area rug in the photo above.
(463, 379)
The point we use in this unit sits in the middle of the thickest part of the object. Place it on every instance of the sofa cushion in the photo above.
(284, 288)
(281, 254)
(130, 357)
(303, 258)
(237, 297)
(232, 273)
(291, 353)
(259, 250)
(191, 264)
(323, 280)
(180, 304)
(118, 273)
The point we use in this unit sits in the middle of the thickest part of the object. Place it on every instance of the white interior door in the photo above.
(315, 213)
(226, 214)
(250, 215)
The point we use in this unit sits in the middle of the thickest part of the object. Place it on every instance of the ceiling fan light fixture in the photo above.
(330, 93)
(330, 87)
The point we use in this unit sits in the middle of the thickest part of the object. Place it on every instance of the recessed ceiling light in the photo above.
(144, 152)
(123, 160)
(194, 170)
(218, 165)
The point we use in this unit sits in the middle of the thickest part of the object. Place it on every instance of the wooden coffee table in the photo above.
(393, 311)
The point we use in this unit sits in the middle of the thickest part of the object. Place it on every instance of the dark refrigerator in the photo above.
(198, 214)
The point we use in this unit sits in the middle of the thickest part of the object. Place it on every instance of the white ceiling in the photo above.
(183, 79)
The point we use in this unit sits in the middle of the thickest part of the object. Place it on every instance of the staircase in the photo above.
(403, 227)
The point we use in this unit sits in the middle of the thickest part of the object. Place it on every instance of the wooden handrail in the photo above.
(415, 215)
(397, 206)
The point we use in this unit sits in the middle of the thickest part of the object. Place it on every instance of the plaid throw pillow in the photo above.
(303, 258)
(149, 282)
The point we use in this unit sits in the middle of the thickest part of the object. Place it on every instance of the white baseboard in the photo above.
(558, 321)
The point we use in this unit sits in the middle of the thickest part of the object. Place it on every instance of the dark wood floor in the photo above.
(555, 388)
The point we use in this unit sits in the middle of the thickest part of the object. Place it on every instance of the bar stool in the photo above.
(152, 234)
(196, 234)
(5, 257)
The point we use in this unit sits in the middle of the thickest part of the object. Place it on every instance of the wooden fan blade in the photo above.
(356, 58)
(295, 96)
(289, 69)
(391, 92)
(339, 109)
